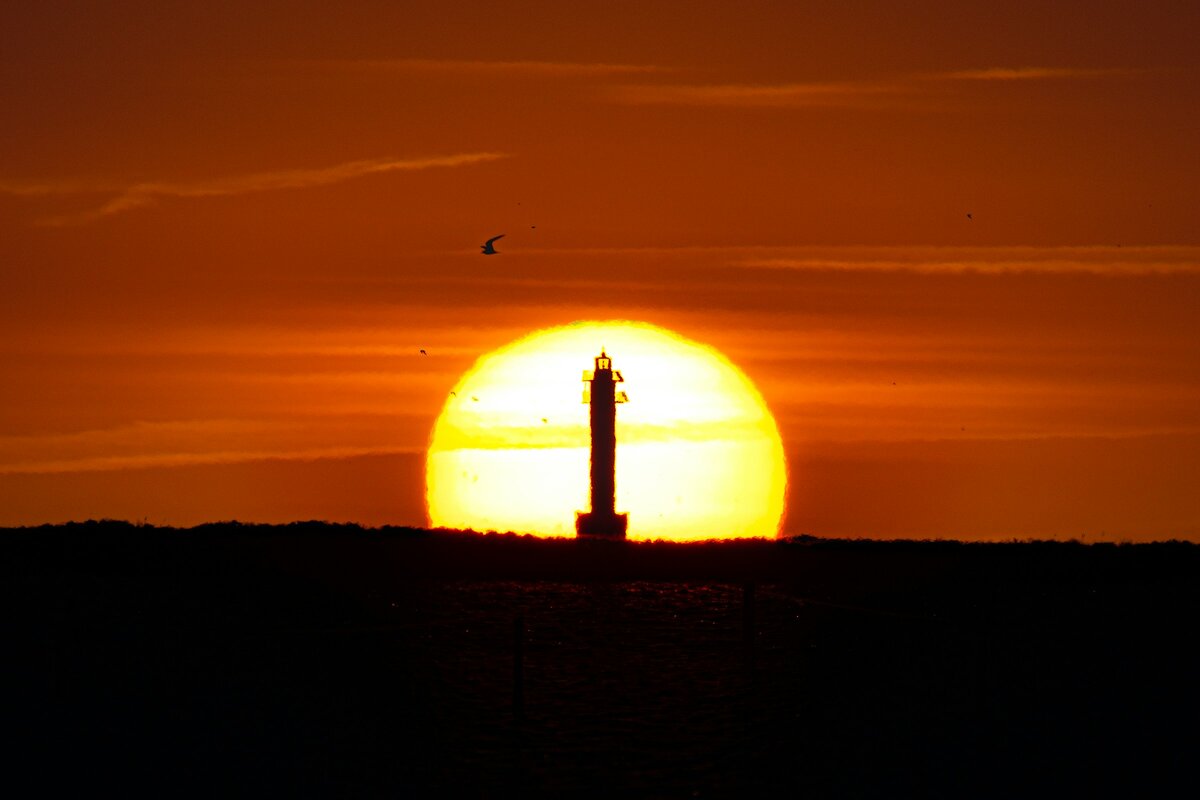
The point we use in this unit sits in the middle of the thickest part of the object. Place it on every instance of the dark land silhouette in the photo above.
(331, 659)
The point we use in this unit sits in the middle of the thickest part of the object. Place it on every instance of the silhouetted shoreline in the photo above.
(331, 659)
(510, 554)
(359, 556)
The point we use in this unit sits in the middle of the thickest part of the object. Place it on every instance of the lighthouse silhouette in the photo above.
(601, 394)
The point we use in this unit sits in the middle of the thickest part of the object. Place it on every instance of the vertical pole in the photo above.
(519, 666)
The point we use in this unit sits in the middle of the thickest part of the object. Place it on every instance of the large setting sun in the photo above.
(698, 452)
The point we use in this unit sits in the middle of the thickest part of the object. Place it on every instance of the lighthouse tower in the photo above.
(601, 394)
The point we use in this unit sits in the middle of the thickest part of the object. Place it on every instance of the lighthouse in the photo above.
(602, 396)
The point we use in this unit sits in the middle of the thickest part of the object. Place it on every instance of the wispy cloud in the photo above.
(881, 93)
(1023, 73)
(523, 67)
(788, 95)
(139, 445)
(142, 194)
(112, 463)
(1095, 259)
(980, 267)
(50, 188)
(1099, 260)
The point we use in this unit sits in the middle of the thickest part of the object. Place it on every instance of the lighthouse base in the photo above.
(607, 526)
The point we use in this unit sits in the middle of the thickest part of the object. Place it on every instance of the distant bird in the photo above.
(474, 399)
(533, 227)
(454, 394)
(487, 248)
(543, 419)
(424, 353)
(970, 217)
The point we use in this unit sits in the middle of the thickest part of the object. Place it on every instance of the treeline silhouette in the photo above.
(316, 658)
(392, 552)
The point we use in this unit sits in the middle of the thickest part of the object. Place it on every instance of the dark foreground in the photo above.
(326, 660)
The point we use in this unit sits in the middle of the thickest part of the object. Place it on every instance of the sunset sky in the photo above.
(227, 229)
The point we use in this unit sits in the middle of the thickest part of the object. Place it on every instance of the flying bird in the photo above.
(424, 353)
(487, 248)
(454, 394)
(474, 399)
(970, 217)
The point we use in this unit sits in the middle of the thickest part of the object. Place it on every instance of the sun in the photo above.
(698, 453)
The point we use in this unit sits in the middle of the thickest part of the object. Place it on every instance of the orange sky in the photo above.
(226, 231)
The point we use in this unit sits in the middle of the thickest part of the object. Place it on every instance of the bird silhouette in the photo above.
(487, 248)
(424, 353)
(969, 216)
(474, 399)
